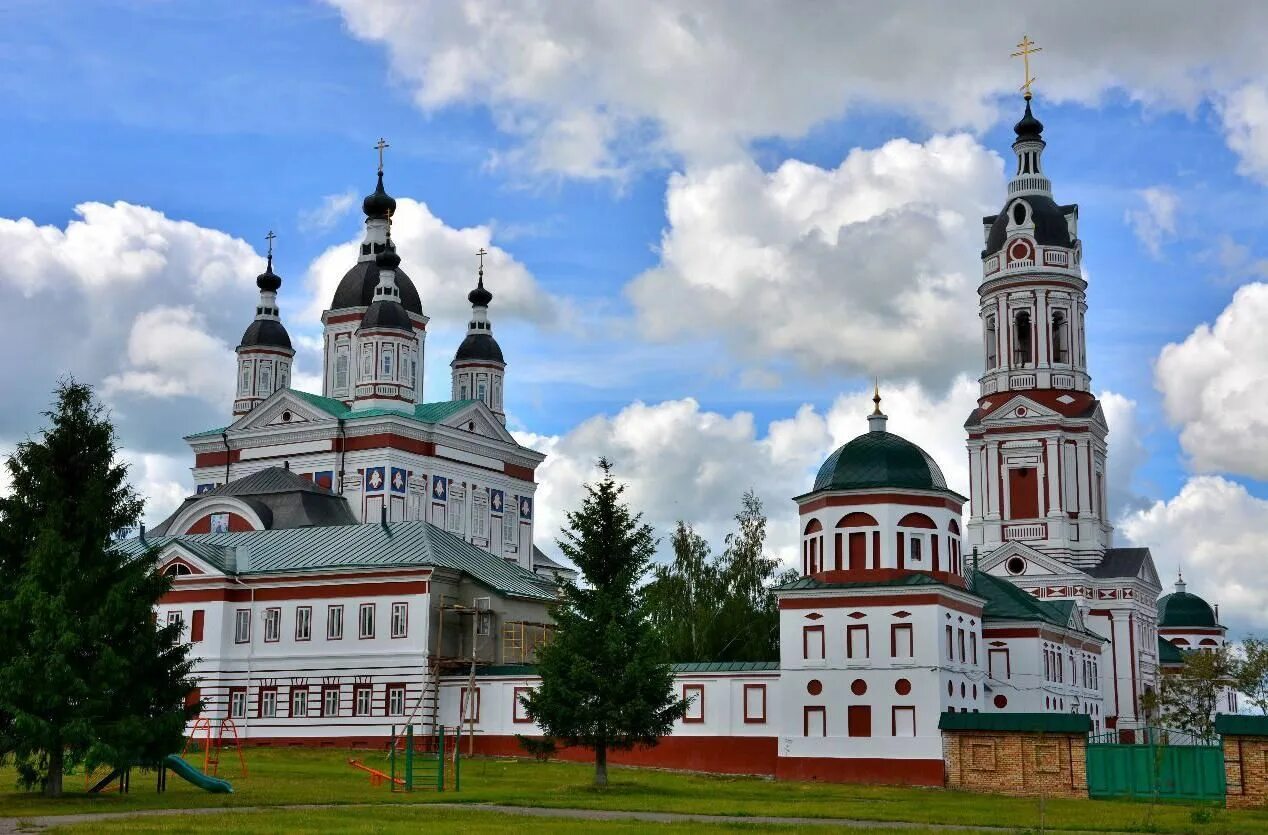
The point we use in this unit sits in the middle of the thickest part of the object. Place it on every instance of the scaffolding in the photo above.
(521, 639)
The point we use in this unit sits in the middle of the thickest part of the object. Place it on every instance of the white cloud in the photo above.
(592, 87)
(163, 480)
(869, 267)
(1214, 529)
(684, 462)
(1154, 222)
(327, 213)
(171, 354)
(1127, 452)
(1213, 386)
(1245, 116)
(441, 261)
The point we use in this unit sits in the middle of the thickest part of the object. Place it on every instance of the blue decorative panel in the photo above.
(374, 479)
(439, 488)
(526, 508)
(496, 500)
(400, 479)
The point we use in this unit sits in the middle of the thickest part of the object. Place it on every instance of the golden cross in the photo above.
(482, 253)
(380, 145)
(1026, 49)
(270, 236)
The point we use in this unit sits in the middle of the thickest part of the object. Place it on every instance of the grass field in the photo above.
(299, 776)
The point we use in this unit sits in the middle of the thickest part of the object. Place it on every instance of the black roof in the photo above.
(356, 288)
(379, 203)
(280, 498)
(1028, 128)
(1051, 228)
(266, 332)
(268, 280)
(1120, 562)
(479, 346)
(387, 313)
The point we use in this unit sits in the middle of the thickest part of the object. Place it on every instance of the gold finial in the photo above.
(876, 395)
(1025, 49)
(380, 145)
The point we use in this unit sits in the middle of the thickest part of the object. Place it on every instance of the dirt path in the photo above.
(36, 823)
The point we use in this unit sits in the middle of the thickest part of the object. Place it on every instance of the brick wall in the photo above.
(1019, 763)
(1245, 770)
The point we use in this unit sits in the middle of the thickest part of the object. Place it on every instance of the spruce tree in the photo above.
(86, 673)
(605, 683)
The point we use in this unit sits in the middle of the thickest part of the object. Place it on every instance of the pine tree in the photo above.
(605, 682)
(86, 674)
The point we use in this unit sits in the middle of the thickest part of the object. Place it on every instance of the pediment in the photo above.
(178, 553)
(1037, 563)
(1017, 407)
(283, 408)
(478, 419)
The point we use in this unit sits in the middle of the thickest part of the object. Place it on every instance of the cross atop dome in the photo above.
(876, 420)
(1024, 51)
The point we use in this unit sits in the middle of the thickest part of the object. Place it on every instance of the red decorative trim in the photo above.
(196, 625)
(875, 770)
(879, 498)
(805, 643)
(857, 519)
(806, 712)
(313, 592)
(813, 616)
(385, 440)
(698, 691)
(851, 601)
(193, 569)
(716, 754)
(754, 720)
(520, 472)
(217, 458)
(917, 520)
(880, 575)
(237, 524)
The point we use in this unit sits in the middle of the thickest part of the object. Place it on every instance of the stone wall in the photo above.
(1245, 771)
(1019, 763)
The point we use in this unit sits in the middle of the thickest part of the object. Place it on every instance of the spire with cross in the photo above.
(380, 146)
(1025, 49)
(269, 237)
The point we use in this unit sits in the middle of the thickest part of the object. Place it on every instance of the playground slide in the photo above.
(193, 775)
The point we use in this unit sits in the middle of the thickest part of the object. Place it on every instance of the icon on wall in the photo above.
(325, 478)
(374, 479)
(220, 523)
(495, 500)
(526, 508)
(439, 488)
(398, 480)
(204, 488)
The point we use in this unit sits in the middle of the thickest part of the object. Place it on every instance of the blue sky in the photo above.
(239, 119)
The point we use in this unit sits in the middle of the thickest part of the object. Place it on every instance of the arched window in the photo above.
(1023, 347)
(1060, 337)
(857, 520)
(812, 548)
(176, 569)
(992, 343)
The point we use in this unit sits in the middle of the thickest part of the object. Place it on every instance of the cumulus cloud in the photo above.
(1154, 221)
(592, 88)
(1213, 530)
(327, 213)
(170, 353)
(1127, 452)
(441, 261)
(1213, 387)
(1245, 116)
(682, 461)
(869, 267)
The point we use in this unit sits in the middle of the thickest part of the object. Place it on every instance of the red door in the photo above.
(1023, 493)
(858, 551)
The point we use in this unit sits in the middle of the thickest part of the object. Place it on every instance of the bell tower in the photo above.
(1037, 448)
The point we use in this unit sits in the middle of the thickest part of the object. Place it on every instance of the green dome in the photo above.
(880, 460)
(1184, 609)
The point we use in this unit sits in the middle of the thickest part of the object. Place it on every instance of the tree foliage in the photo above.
(605, 682)
(708, 608)
(1189, 698)
(1252, 678)
(86, 674)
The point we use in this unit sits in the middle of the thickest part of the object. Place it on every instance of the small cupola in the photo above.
(478, 365)
(264, 352)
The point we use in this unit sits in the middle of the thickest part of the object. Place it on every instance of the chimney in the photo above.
(142, 533)
(383, 514)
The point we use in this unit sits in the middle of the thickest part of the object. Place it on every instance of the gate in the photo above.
(1167, 764)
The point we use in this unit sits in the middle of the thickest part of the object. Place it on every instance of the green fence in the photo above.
(1164, 764)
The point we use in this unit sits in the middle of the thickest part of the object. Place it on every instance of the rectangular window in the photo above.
(812, 643)
(237, 703)
(334, 623)
(484, 616)
(814, 721)
(400, 619)
(268, 702)
(480, 514)
(519, 713)
(388, 353)
(901, 641)
(272, 624)
(755, 703)
(266, 378)
(299, 702)
(365, 621)
(916, 546)
(367, 362)
(694, 696)
(858, 642)
(178, 619)
(858, 720)
(196, 625)
(973, 646)
(457, 509)
(341, 368)
(396, 700)
(950, 645)
(997, 664)
(330, 700)
(242, 626)
(510, 523)
(959, 638)
(469, 705)
(244, 382)
(303, 623)
(903, 722)
(361, 700)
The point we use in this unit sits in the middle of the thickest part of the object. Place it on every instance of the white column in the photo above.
(1003, 331)
(1054, 483)
(1083, 459)
(992, 478)
(1042, 329)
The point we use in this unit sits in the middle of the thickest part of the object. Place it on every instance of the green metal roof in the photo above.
(1004, 601)
(1169, 653)
(429, 413)
(1057, 723)
(913, 579)
(1237, 724)
(335, 547)
(1181, 609)
(726, 667)
(219, 431)
(880, 460)
(329, 405)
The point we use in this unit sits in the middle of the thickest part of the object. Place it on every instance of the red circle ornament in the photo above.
(858, 687)
(1001, 701)
(814, 687)
(902, 687)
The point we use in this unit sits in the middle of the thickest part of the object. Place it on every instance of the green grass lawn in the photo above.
(295, 776)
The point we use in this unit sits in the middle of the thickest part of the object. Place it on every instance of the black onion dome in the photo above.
(1051, 227)
(356, 288)
(266, 333)
(479, 346)
(480, 297)
(379, 203)
(268, 280)
(880, 460)
(387, 313)
(1028, 128)
(388, 260)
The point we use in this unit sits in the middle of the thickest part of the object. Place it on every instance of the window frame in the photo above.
(806, 712)
(688, 692)
(463, 704)
(394, 689)
(854, 629)
(304, 617)
(364, 634)
(260, 700)
(750, 717)
(894, 711)
(242, 626)
(401, 608)
(299, 694)
(326, 690)
(357, 691)
(272, 624)
(519, 714)
(895, 641)
(241, 694)
(333, 634)
(806, 632)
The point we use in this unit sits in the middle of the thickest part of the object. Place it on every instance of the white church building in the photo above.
(355, 559)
